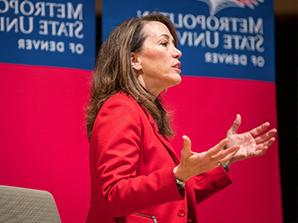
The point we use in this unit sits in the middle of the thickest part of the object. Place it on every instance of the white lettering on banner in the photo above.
(76, 48)
(66, 29)
(43, 9)
(240, 35)
(204, 39)
(238, 42)
(43, 45)
(223, 24)
(231, 59)
(25, 25)
(17, 25)
(50, 46)
(46, 19)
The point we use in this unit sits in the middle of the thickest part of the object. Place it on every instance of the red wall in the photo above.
(204, 109)
(43, 134)
(44, 143)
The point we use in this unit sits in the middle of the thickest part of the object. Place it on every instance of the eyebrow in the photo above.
(165, 35)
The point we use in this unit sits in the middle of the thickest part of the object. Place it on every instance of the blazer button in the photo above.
(181, 213)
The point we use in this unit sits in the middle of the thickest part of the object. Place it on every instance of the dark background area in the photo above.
(286, 33)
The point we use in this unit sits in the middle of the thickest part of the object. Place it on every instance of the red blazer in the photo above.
(132, 165)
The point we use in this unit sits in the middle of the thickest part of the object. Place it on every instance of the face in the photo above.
(157, 64)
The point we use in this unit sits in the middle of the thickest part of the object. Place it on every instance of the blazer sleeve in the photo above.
(117, 143)
(209, 183)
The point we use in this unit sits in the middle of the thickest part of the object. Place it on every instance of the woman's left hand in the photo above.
(252, 143)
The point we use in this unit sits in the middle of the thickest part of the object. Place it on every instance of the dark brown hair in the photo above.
(114, 72)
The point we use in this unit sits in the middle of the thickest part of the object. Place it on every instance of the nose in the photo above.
(177, 53)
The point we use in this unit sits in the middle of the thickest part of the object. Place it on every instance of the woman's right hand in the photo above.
(193, 163)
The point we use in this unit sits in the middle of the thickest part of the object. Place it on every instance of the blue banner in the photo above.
(230, 39)
(51, 33)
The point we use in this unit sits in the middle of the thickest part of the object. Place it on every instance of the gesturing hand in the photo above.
(252, 143)
(193, 163)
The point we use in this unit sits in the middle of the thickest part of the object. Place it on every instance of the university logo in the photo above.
(217, 5)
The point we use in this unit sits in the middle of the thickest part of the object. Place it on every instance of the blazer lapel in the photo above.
(163, 140)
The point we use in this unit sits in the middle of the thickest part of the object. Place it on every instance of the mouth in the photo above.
(177, 66)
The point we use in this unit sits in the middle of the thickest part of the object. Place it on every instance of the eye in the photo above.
(164, 43)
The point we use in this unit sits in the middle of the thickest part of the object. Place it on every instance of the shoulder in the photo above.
(119, 108)
(119, 119)
(118, 101)
(119, 114)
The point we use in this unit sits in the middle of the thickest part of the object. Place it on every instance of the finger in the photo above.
(217, 148)
(229, 157)
(258, 130)
(266, 144)
(186, 151)
(225, 153)
(235, 126)
(266, 136)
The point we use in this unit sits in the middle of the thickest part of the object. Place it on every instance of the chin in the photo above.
(178, 78)
(175, 80)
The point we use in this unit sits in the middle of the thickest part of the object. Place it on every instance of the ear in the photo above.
(135, 61)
